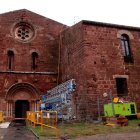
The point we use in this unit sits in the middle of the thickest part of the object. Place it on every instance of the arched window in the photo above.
(34, 60)
(126, 48)
(10, 59)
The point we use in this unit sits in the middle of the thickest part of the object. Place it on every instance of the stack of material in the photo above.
(1, 116)
(117, 121)
(4, 125)
(138, 115)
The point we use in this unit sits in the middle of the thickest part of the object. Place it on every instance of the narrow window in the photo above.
(126, 49)
(34, 60)
(121, 84)
(10, 60)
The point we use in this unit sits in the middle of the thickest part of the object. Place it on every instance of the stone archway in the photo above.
(19, 94)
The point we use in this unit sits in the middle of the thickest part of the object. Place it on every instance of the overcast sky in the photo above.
(125, 12)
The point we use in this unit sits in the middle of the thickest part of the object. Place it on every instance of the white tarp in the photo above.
(4, 125)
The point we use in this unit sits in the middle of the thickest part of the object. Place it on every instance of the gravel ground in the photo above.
(3, 131)
(16, 131)
(114, 136)
(20, 132)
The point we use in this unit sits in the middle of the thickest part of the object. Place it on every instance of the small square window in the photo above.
(121, 84)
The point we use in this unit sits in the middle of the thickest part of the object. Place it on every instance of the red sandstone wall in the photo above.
(73, 65)
(90, 53)
(104, 61)
(95, 60)
(41, 82)
(45, 43)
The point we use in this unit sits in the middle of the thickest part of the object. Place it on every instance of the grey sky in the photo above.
(125, 12)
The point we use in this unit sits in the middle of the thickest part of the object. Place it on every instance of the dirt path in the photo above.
(17, 131)
(112, 136)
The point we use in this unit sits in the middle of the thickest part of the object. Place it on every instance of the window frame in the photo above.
(10, 54)
(126, 49)
(121, 86)
(34, 60)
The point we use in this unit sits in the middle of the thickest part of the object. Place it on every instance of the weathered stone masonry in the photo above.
(96, 60)
(37, 53)
(29, 60)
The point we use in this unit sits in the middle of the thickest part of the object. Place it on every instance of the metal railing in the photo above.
(1, 116)
(43, 118)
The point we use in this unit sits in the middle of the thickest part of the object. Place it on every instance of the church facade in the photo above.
(38, 53)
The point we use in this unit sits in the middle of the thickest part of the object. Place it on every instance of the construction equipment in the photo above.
(60, 98)
(121, 109)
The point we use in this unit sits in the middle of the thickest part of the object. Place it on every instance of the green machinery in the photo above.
(122, 109)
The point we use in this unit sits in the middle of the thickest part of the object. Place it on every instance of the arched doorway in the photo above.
(21, 97)
(21, 106)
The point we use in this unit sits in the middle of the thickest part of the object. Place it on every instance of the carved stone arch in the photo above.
(35, 50)
(120, 32)
(10, 49)
(22, 91)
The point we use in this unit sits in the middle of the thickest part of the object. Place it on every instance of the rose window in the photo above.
(24, 32)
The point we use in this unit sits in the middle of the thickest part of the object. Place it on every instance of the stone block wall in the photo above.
(73, 65)
(89, 52)
(44, 42)
(98, 53)
(44, 34)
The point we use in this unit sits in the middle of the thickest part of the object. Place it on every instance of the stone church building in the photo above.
(37, 53)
